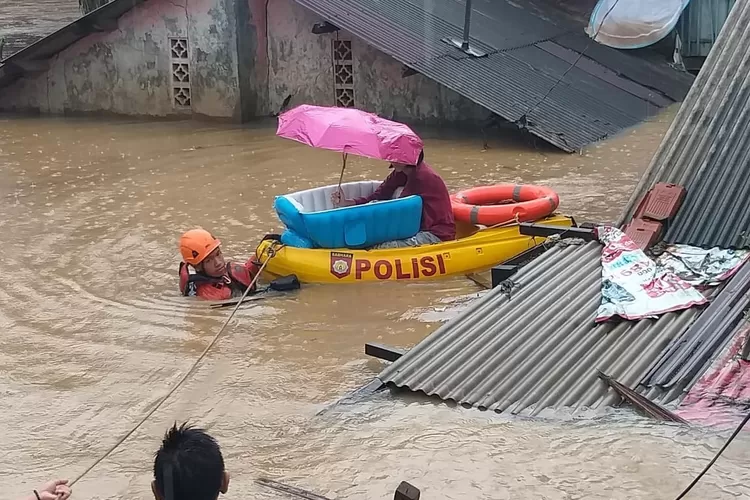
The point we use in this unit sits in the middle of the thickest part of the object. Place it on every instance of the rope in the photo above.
(731, 438)
(510, 222)
(271, 254)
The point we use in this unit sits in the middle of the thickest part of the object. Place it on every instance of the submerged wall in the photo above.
(310, 69)
(167, 57)
(231, 59)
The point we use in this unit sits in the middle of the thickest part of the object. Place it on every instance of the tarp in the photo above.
(633, 286)
(701, 268)
(633, 24)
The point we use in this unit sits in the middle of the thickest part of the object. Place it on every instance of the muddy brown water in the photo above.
(94, 331)
(23, 22)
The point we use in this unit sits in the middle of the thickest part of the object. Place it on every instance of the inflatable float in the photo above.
(490, 205)
(310, 220)
(474, 250)
(313, 222)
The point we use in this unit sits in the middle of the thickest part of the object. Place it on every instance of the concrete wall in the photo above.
(301, 65)
(128, 71)
(245, 56)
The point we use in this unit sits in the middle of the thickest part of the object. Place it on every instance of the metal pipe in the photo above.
(467, 23)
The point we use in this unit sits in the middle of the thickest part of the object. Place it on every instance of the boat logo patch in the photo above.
(341, 264)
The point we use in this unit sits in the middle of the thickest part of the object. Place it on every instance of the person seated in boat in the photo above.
(437, 225)
(189, 466)
(213, 277)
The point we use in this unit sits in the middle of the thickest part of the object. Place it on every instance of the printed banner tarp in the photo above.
(633, 286)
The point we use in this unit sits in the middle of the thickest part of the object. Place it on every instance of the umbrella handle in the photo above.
(341, 177)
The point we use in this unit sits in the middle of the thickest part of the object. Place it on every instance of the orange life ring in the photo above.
(490, 205)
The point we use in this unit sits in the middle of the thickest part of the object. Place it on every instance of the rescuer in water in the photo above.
(213, 278)
(438, 223)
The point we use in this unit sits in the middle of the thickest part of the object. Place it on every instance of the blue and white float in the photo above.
(312, 221)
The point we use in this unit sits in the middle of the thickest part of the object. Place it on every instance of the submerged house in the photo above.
(532, 346)
(526, 64)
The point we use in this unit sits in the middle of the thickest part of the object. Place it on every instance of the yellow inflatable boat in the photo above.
(474, 250)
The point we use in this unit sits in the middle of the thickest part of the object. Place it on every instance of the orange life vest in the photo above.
(233, 283)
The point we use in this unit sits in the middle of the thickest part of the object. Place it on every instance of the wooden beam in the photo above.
(384, 352)
(501, 273)
(406, 491)
(547, 230)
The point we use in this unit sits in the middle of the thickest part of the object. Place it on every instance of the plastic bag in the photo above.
(699, 267)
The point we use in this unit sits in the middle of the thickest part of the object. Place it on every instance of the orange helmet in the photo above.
(196, 245)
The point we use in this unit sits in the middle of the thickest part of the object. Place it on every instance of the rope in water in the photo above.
(271, 254)
(731, 438)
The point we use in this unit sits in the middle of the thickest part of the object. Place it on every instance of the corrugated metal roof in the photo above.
(541, 348)
(529, 49)
(700, 24)
(32, 57)
(727, 379)
(688, 356)
(707, 148)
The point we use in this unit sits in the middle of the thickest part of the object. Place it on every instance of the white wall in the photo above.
(237, 71)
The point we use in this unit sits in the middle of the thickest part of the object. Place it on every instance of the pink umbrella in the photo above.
(350, 130)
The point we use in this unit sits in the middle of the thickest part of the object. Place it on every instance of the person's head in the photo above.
(200, 249)
(189, 466)
(408, 169)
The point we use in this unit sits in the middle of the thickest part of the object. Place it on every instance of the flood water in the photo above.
(94, 331)
(23, 22)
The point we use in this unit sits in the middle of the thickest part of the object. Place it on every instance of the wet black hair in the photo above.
(189, 465)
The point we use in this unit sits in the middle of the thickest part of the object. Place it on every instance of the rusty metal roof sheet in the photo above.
(707, 148)
(540, 348)
(726, 380)
(530, 48)
(33, 57)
